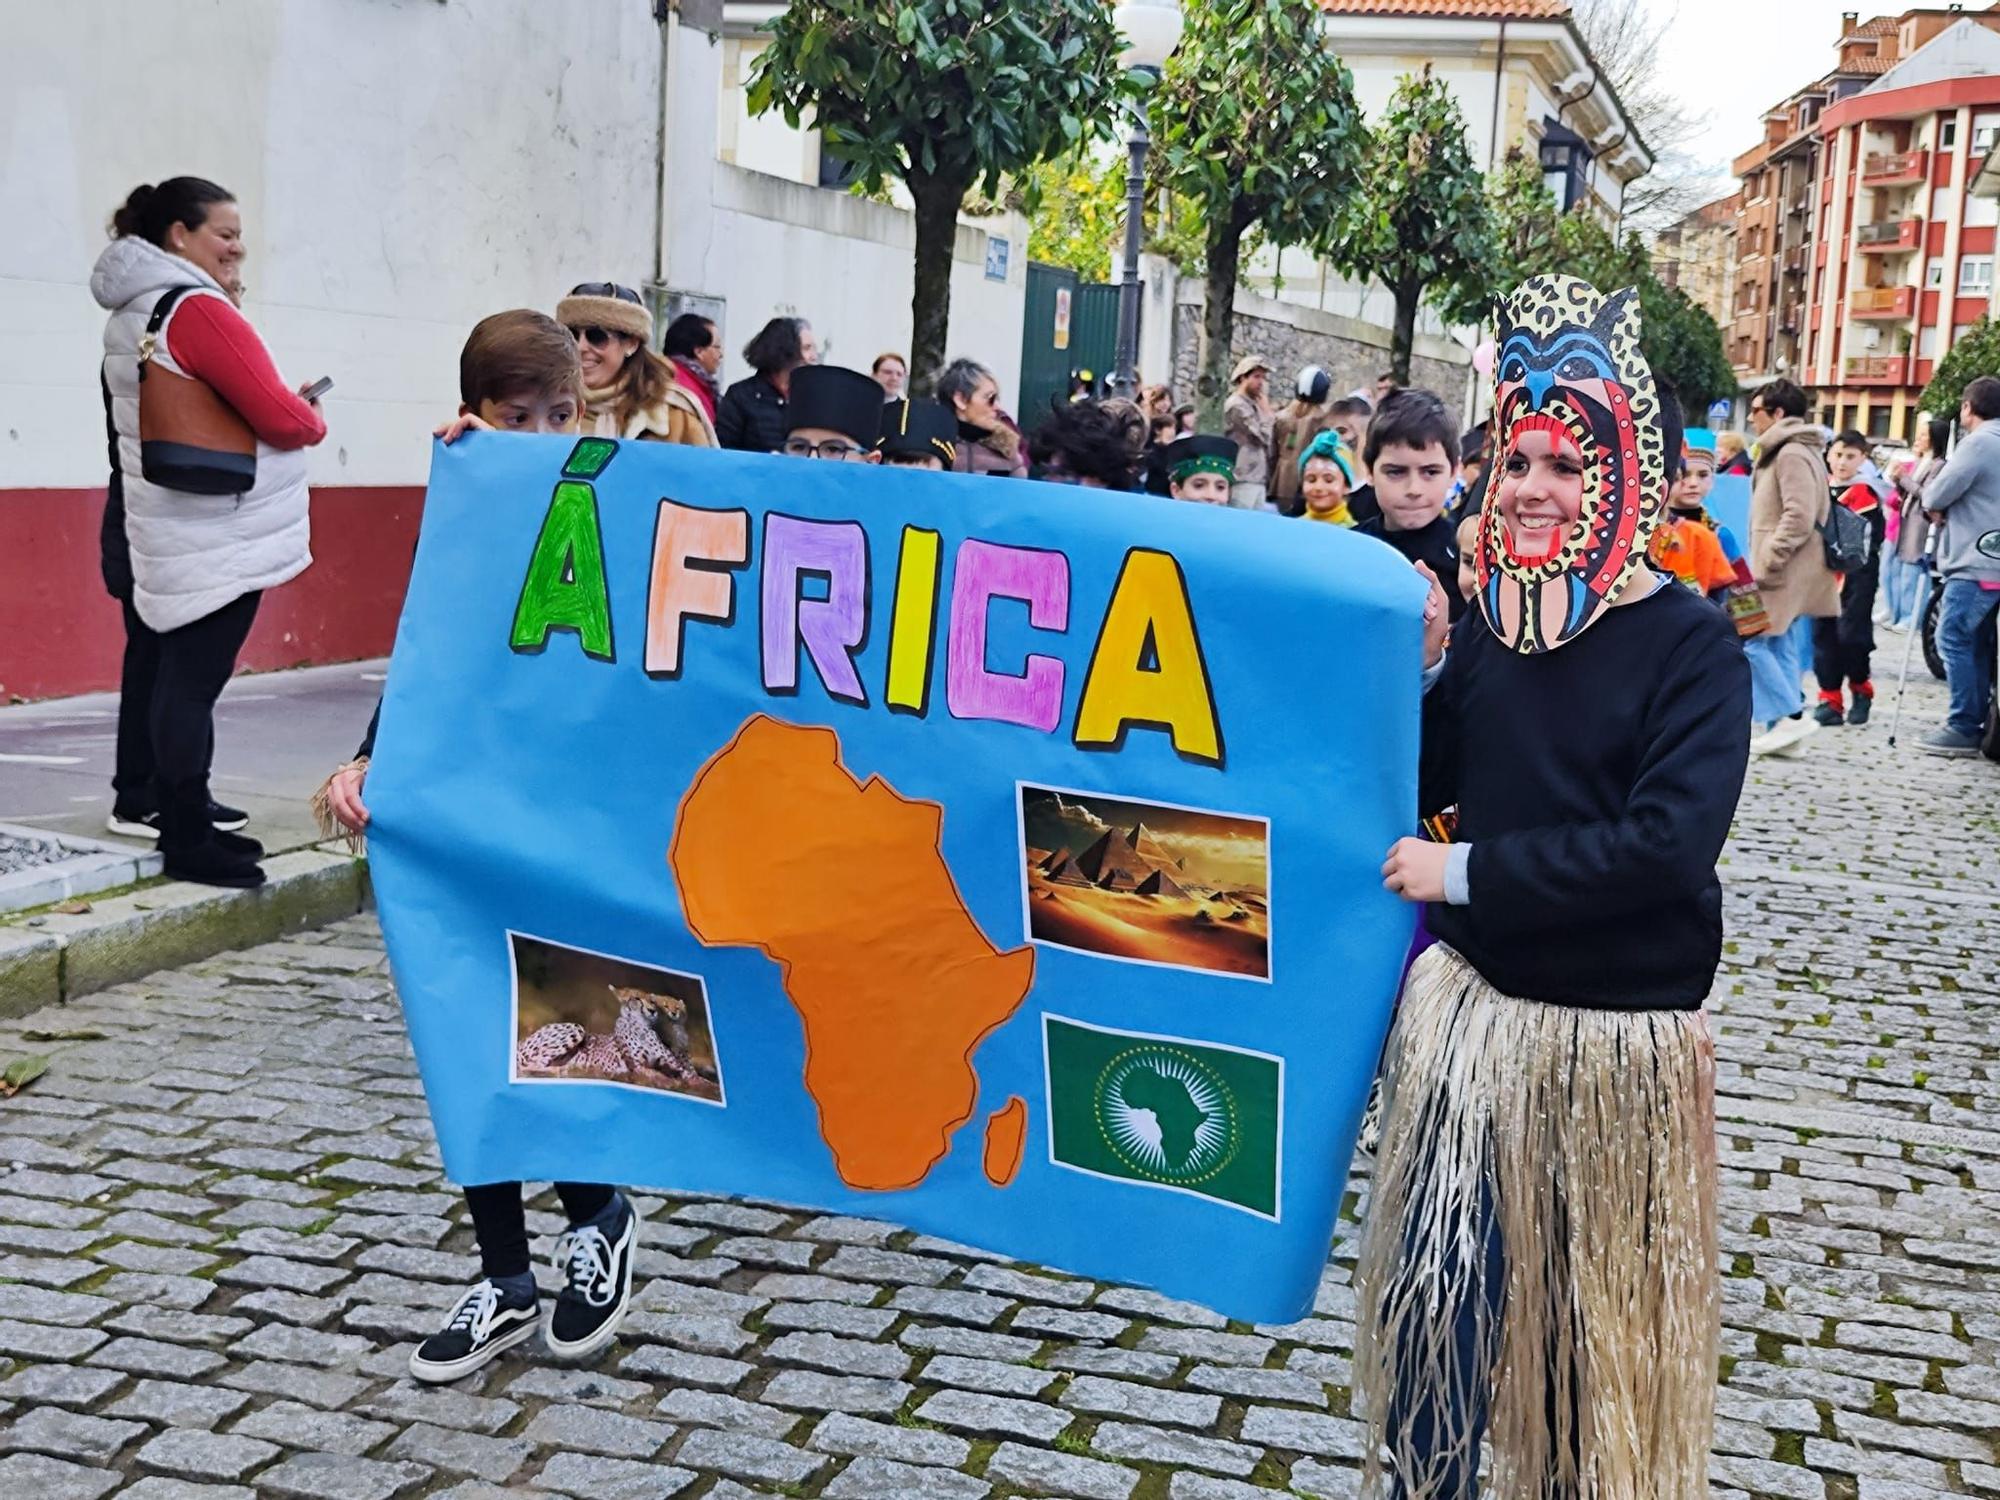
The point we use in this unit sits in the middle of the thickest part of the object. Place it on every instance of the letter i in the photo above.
(913, 626)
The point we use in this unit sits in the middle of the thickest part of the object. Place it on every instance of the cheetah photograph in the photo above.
(583, 1017)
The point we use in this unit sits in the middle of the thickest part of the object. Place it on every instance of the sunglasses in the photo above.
(596, 337)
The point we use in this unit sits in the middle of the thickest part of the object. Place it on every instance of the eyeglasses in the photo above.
(832, 448)
(606, 289)
(596, 337)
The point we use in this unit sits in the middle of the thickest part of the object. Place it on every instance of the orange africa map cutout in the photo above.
(778, 847)
(1006, 1133)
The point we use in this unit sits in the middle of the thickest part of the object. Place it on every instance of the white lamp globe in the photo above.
(1150, 30)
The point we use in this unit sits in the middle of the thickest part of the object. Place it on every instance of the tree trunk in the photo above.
(1218, 322)
(1404, 337)
(937, 201)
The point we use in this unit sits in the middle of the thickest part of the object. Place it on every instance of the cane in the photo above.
(1916, 629)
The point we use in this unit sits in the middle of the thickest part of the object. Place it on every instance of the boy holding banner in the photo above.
(518, 372)
(1538, 1263)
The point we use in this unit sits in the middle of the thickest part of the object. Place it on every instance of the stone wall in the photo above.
(1291, 336)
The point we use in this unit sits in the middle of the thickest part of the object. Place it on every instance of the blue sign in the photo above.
(1728, 503)
(1718, 414)
(996, 258)
(998, 858)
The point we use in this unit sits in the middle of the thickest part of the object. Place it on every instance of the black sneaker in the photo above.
(597, 1269)
(239, 844)
(482, 1324)
(129, 823)
(1863, 706)
(226, 819)
(209, 863)
(1829, 714)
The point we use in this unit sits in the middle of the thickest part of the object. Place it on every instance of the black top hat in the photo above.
(843, 401)
(926, 429)
(1197, 453)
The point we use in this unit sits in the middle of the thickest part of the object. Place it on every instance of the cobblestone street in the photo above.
(223, 1225)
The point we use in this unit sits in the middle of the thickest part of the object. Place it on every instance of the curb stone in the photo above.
(169, 925)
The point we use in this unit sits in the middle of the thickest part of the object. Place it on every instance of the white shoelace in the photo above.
(584, 1256)
(474, 1313)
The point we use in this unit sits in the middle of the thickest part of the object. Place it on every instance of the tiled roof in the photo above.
(1880, 26)
(1469, 10)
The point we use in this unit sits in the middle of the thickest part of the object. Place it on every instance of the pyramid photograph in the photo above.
(1146, 882)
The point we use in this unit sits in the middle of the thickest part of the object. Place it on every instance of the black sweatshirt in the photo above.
(1435, 545)
(1596, 784)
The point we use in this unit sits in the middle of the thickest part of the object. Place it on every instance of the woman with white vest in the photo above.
(208, 503)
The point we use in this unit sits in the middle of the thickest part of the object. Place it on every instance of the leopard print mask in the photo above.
(1569, 365)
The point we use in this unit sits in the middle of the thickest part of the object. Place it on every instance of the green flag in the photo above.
(1188, 1116)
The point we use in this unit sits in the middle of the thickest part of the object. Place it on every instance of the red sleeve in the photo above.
(214, 342)
(1860, 499)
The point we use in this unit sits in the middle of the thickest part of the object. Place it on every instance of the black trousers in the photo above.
(194, 664)
(132, 778)
(1843, 645)
(500, 1224)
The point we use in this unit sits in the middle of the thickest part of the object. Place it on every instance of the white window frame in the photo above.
(1934, 274)
(1975, 275)
(1947, 133)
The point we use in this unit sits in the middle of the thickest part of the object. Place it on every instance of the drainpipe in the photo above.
(666, 13)
(1499, 80)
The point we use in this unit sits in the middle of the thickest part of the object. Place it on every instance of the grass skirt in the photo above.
(1538, 1259)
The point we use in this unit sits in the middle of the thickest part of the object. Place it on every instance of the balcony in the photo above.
(1892, 238)
(1883, 301)
(1791, 317)
(1795, 261)
(1892, 169)
(1877, 369)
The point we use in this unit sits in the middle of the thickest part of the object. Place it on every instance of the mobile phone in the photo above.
(318, 388)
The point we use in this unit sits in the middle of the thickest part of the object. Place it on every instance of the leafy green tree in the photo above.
(1418, 220)
(943, 94)
(1974, 354)
(1076, 218)
(1255, 124)
(1680, 340)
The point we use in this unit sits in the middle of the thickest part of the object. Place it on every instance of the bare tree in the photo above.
(1624, 38)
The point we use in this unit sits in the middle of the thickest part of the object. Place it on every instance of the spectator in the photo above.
(1412, 452)
(1905, 580)
(1292, 432)
(833, 413)
(892, 373)
(1094, 444)
(988, 441)
(1326, 474)
(918, 435)
(1201, 468)
(751, 415)
(692, 344)
(629, 391)
(1184, 418)
(1157, 401)
(1246, 418)
(191, 543)
(1350, 417)
(1386, 385)
(1789, 498)
(1731, 456)
(1964, 502)
(1842, 646)
(1472, 452)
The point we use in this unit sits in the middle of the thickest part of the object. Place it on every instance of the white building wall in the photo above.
(403, 170)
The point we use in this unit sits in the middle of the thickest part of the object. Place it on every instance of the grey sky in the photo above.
(1733, 59)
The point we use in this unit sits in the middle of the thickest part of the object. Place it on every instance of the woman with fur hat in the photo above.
(630, 391)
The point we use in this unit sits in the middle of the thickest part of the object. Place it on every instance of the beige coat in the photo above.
(1789, 499)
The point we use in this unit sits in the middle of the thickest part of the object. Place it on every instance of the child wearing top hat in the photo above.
(918, 435)
(833, 413)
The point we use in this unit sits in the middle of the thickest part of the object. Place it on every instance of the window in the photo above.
(1982, 213)
(1927, 344)
(1960, 332)
(1984, 128)
(1940, 204)
(1975, 275)
(1947, 133)
(1933, 274)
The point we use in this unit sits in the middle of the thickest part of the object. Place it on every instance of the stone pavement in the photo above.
(224, 1223)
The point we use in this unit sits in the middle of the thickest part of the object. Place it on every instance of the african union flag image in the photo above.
(1166, 1112)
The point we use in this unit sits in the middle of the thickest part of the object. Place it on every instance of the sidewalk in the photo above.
(277, 735)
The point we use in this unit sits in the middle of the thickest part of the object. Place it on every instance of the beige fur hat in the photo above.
(605, 304)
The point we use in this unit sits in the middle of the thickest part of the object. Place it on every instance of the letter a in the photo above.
(565, 588)
(1147, 668)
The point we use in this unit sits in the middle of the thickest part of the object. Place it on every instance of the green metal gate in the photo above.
(1069, 325)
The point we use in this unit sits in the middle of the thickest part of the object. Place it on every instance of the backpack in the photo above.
(1850, 545)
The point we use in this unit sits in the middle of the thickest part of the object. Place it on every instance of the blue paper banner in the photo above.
(1728, 503)
(998, 858)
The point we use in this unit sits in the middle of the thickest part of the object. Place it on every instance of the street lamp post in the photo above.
(1150, 30)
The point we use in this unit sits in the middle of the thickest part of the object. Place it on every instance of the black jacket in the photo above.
(751, 416)
(1595, 785)
(114, 551)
